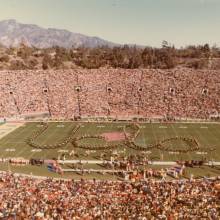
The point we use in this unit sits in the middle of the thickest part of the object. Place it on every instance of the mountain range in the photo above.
(13, 33)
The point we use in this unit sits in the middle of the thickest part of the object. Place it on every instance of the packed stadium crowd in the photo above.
(69, 94)
(34, 198)
(180, 93)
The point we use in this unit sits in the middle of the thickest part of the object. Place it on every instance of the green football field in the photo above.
(207, 135)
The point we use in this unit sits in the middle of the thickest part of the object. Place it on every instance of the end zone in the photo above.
(8, 127)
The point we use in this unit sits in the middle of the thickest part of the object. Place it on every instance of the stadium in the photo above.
(110, 125)
(115, 125)
(84, 119)
(92, 129)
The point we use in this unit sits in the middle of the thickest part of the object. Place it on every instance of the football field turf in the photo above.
(207, 135)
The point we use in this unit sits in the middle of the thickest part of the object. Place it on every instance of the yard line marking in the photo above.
(203, 127)
(182, 127)
(100, 126)
(63, 151)
(36, 150)
(10, 149)
(10, 125)
(39, 126)
(162, 126)
(142, 126)
(201, 152)
(60, 126)
(173, 152)
(147, 152)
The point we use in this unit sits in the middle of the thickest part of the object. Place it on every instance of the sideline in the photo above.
(186, 121)
(168, 163)
(99, 180)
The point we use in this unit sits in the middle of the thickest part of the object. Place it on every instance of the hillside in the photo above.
(12, 33)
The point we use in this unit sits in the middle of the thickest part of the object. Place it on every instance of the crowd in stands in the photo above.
(67, 94)
(44, 199)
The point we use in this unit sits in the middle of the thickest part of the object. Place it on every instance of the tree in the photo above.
(47, 61)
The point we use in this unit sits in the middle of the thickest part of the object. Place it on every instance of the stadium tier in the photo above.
(29, 198)
(178, 93)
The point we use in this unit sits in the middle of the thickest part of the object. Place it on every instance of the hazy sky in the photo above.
(146, 22)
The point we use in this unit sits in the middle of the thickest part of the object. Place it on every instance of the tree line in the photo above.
(128, 57)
